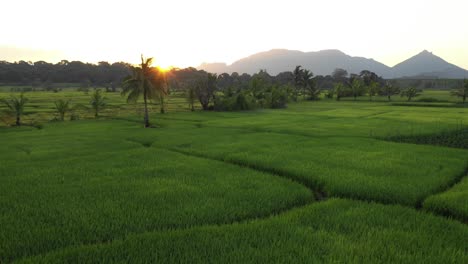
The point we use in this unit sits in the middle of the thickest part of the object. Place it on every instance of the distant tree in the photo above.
(145, 81)
(62, 107)
(356, 87)
(312, 90)
(308, 84)
(162, 104)
(373, 89)
(339, 90)
(15, 106)
(297, 81)
(224, 81)
(368, 77)
(462, 91)
(410, 93)
(284, 78)
(389, 89)
(279, 97)
(191, 97)
(205, 90)
(339, 75)
(98, 102)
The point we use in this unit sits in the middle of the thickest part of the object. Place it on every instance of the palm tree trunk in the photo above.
(146, 118)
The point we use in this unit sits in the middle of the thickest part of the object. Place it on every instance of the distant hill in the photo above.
(426, 64)
(325, 61)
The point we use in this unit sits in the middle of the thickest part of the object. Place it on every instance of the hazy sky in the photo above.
(189, 32)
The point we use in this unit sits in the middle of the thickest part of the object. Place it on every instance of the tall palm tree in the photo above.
(15, 106)
(298, 81)
(306, 80)
(146, 81)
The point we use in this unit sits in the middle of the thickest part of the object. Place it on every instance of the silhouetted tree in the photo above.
(145, 81)
(205, 89)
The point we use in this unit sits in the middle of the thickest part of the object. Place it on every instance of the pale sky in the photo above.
(188, 32)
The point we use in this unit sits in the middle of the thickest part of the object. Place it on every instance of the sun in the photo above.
(165, 68)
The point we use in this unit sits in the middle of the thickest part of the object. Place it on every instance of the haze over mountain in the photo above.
(324, 62)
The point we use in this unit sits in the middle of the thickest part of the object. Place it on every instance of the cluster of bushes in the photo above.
(239, 99)
(259, 92)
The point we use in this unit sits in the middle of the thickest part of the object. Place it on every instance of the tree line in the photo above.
(42, 75)
(235, 92)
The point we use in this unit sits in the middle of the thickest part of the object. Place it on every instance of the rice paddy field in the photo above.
(317, 182)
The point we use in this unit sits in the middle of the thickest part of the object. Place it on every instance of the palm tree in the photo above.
(62, 107)
(15, 106)
(97, 102)
(145, 81)
(462, 91)
(298, 81)
(307, 81)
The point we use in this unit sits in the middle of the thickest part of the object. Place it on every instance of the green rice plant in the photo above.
(335, 231)
(452, 203)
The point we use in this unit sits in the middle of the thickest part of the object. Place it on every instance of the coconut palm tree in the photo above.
(15, 106)
(146, 81)
(308, 82)
(97, 102)
(62, 107)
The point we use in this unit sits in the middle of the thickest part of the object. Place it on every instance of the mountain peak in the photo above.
(425, 52)
(426, 63)
(332, 52)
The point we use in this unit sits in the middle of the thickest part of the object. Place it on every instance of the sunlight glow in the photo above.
(186, 33)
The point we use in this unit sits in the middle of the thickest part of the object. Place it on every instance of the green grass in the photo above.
(290, 185)
(335, 231)
(62, 196)
(355, 168)
(452, 203)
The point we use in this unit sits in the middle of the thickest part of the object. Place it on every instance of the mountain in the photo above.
(280, 60)
(426, 64)
(324, 62)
